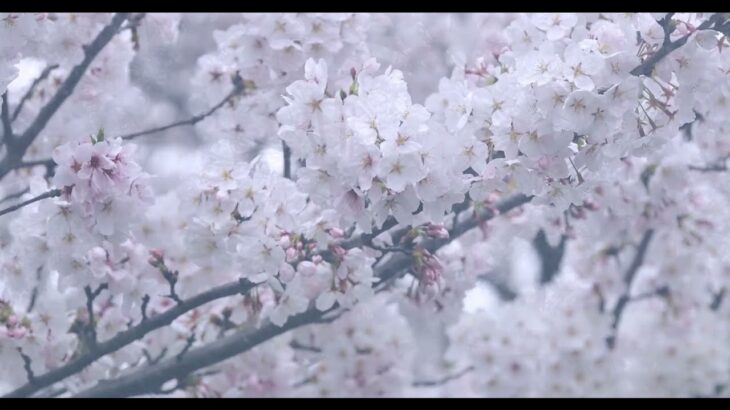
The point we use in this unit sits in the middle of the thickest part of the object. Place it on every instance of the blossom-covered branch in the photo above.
(146, 380)
(16, 147)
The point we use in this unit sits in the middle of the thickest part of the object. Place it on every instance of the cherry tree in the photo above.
(350, 204)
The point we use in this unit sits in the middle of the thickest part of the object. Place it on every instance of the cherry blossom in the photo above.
(364, 205)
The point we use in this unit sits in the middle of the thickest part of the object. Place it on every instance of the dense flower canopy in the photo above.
(351, 204)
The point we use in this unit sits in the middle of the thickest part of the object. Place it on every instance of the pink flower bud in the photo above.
(337, 233)
(12, 321)
(158, 254)
(316, 259)
(284, 241)
(437, 231)
(338, 250)
(17, 333)
(291, 254)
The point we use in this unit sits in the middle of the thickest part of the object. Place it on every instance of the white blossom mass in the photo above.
(364, 205)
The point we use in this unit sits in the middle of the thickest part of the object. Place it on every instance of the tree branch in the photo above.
(667, 47)
(238, 88)
(286, 151)
(27, 366)
(549, 255)
(91, 325)
(505, 293)
(443, 380)
(29, 94)
(128, 336)
(5, 117)
(141, 381)
(188, 344)
(628, 280)
(717, 299)
(50, 194)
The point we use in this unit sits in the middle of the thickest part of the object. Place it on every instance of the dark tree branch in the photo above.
(91, 325)
(550, 256)
(286, 151)
(188, 344)
(141, 381)
(238, 89)
(27, 366)
(50, 194)
(718, 166)
(18, 147)
(29, 94)
(503, 290)
(139, 331)
(717, 299)
(145, 302)
(5, 118)
(662, 291)
(314, 349)
(646, 67)
(171, 278)
(50, 164)
(298, 346)
(389, 249)
(154, 360)
(128, 336)
(628, 280)
(443, 380)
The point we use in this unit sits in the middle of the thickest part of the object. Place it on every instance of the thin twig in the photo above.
(717, 299)
(550, 256)
(27, 366)
(50, 194)
(238, 88)
(298, 346)
(91, 325)
(443, 380)
(5, 117)
(628, 280)
(662, 291)
(154, 360)
(29, 94)
(286, 151)
(188, 344)
(145, 302)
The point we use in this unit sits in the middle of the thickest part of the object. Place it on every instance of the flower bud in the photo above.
(291, 254)
(437, 231)
(337, 233)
